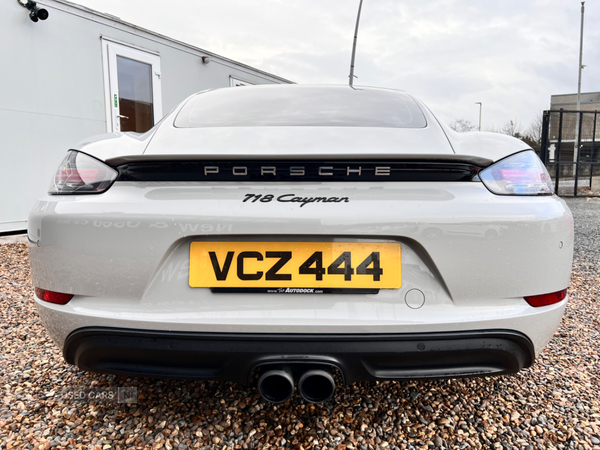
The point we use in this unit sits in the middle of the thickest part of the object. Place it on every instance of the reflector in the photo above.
(546, 299)
(53, 297)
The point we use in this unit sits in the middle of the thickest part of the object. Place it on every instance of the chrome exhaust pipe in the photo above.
(316, 386)
(276, 386)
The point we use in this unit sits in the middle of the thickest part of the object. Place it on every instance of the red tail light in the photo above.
(53, 297)
(79, 173)
(546, 299)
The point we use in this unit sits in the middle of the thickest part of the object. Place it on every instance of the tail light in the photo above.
(79, 173)
(520, 174)
(546, 299)
(53, 297)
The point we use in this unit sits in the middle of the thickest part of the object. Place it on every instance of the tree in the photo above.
(512, 128)
(461, 125)
(533, 134)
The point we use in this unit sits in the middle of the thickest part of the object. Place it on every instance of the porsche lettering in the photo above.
(297, 171)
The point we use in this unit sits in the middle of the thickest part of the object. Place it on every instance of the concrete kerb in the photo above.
(13, 239)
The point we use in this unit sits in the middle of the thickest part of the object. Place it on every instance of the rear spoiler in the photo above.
(440, 158)
(213, 168)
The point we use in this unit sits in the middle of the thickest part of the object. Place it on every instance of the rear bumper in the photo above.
(235, 357)
(458, 240)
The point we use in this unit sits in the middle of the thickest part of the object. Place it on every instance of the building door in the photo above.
(132, 87)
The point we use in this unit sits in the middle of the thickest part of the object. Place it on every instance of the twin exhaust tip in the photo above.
(315, 386)
(276, 386)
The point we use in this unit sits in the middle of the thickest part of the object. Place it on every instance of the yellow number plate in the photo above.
(352, 265)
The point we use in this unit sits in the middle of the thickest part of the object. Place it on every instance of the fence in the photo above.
(570, 150)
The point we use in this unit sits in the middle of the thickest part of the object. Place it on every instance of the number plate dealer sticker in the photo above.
(345, 265)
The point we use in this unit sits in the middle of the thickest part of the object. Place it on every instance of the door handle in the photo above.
(122, 117)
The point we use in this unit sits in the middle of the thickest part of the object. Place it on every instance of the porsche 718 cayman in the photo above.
(301, 236)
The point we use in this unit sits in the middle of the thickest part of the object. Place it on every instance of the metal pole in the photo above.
(592, 151)
(354, 44)
(480, 106)
(578, 143)
(577, 127)
(580, 56)
(545, 133)
(557, 154)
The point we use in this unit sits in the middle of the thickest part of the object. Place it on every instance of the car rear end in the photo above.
(391, 263)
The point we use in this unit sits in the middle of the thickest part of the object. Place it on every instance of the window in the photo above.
(234, 82)
(296, 105)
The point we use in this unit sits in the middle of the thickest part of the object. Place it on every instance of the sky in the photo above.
(510, 55)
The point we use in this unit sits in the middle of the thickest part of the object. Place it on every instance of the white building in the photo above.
(80, 73)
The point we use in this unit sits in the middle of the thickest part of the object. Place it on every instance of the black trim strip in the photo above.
(235, 356)
(293, 291)
(299, 170)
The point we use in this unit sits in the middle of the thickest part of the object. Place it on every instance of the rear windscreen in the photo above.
(284, 106)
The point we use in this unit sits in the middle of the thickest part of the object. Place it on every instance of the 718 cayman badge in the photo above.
(291, 198)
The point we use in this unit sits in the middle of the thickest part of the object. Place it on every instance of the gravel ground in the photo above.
(554, 404)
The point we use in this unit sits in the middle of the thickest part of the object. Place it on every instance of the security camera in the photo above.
(206, 59)
(38, 13)
(35, 13)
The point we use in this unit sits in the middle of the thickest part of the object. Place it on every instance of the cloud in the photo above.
(510, 55)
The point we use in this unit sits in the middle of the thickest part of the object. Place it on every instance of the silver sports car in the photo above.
(301, 236)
